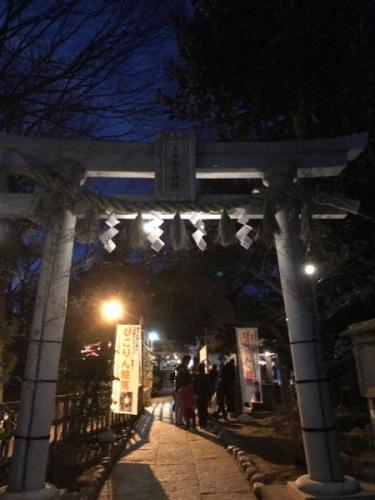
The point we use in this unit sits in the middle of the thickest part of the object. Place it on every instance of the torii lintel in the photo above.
(176, 160)
(213, 160)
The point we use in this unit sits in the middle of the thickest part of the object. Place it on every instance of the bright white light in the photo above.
(267, 353)
(153, 336)
(188, 215)
(148, 226)
(309, 269)
(191, 364)
(112, 310)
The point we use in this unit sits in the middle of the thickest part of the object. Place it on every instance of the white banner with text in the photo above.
(126, 369)
(248, 365)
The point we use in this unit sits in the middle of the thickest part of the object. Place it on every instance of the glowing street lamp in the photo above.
(112, 310)
(309, 269)
(153, 336)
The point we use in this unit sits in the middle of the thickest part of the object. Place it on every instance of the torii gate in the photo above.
(175, 160)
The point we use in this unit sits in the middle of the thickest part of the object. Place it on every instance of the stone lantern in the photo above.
(363, 341)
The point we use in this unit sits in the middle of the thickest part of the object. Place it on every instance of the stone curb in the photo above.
(247, 464)
(92, 480)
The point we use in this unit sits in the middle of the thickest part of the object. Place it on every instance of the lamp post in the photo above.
(112, 310)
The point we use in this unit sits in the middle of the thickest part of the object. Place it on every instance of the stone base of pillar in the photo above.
(49, 492)
(305, 488)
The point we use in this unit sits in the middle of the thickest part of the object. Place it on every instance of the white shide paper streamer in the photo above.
(106, 237)
(243, 234)
(200, 232)
(154, 233)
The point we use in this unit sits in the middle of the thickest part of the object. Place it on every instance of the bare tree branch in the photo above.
(72, 67)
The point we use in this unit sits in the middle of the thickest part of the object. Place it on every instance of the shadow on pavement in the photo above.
(140, 483)
(140, 434)
(159, 470)
(161, 411)
(273, 449)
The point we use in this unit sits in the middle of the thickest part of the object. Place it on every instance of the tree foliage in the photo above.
(276, 69)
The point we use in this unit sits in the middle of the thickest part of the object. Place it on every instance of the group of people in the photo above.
(199, 390)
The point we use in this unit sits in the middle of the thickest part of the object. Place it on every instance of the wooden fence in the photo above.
(75, 416)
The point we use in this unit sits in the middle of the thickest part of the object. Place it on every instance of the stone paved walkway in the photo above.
(164, 462)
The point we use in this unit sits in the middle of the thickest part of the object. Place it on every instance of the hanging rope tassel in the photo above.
(137, 235)
(226, 230)
(179, 236)
(88, 228)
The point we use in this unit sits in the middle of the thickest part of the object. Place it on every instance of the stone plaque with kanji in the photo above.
(175, 172)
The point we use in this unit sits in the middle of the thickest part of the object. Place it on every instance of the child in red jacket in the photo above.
(189, 400)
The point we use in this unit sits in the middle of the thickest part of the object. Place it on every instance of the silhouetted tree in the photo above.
(276, 69)
(71, 68)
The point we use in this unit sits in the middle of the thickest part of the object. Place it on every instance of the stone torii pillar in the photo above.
(29, 462)
(37, 402)
(325, 479)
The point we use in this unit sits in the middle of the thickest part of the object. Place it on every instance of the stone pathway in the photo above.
(164, 462)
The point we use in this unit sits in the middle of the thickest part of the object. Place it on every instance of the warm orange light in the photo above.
(112, 310)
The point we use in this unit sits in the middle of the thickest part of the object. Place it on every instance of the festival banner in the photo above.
(248, 365)
(203, 358)
(126, 369)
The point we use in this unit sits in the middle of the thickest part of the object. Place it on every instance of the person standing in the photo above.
(182, 379)
(172, 376)
(220, 397)
(202, 388)
(229, 381)
(189, 400)
(212, 375)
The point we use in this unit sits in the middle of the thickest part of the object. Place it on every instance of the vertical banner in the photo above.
(126, 369)
(248, 364)
(148, 365)
(203, 358)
